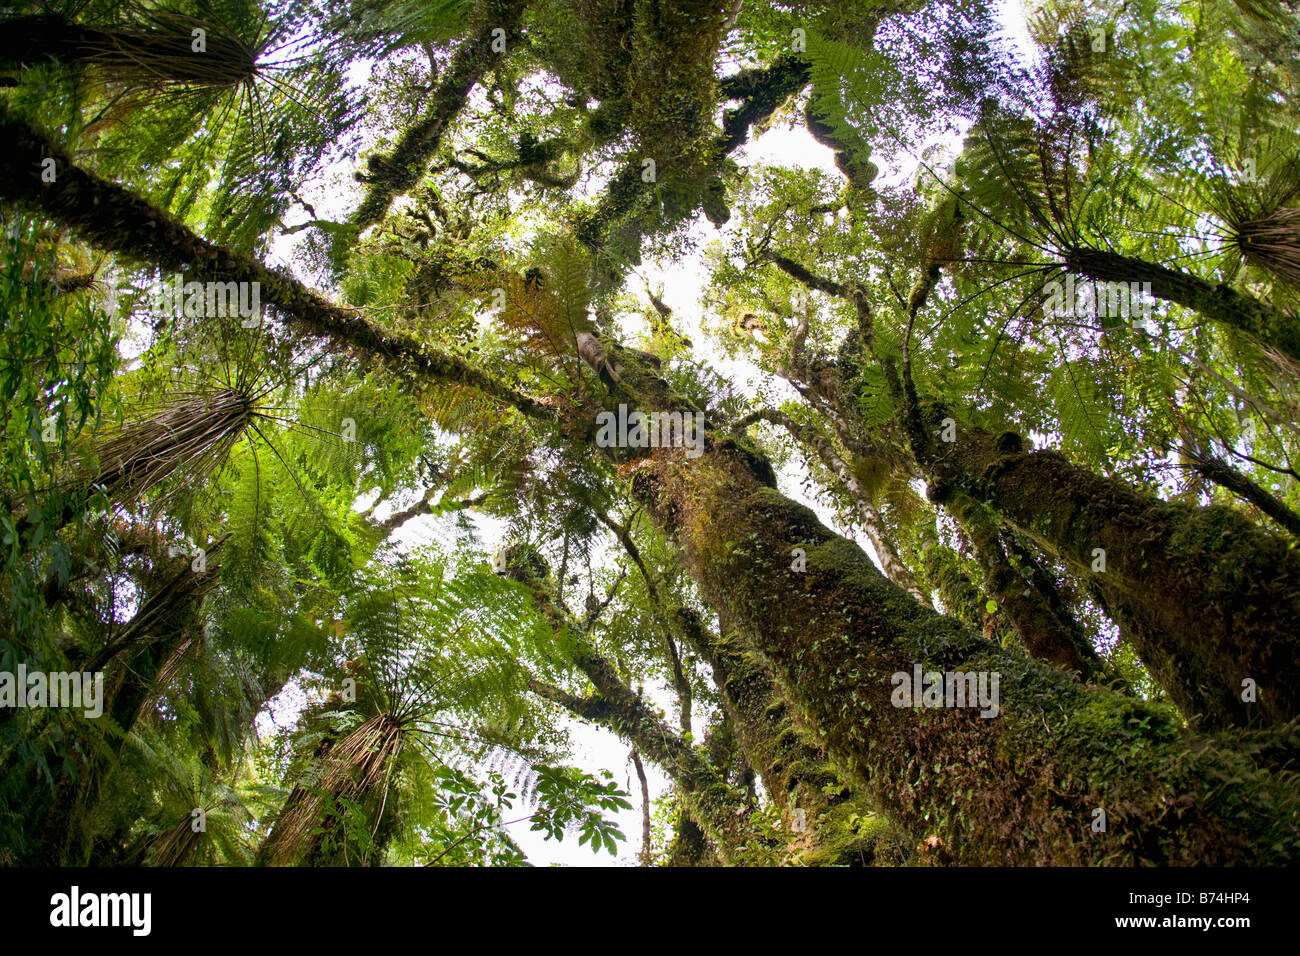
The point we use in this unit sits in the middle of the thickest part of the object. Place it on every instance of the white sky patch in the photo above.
(1013, 18)
(595, 750)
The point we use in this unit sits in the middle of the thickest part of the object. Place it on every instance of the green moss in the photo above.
(1017, 788)
(1205, 597)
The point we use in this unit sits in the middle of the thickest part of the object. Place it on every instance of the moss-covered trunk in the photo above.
(495, 22)
(1021, 787)
(1047, 629)
(1214, 598)
(115, 219)
(1270, 327)
(961, 599)
(814, 802)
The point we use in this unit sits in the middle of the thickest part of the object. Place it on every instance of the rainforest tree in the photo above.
(405, 393)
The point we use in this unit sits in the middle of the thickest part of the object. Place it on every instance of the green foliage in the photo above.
(346, 682)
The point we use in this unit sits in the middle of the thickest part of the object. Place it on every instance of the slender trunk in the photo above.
(719, 808)
(1047, 630)
(961, 598)
(878, 534)
(1221, 473)
(1270, 327)
(646, 834)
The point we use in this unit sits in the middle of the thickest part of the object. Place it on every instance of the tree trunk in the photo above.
(1217, 595)
(1047, 630)
(798, 777)
(1018, 788)
(1221, 473)
(881, 540)
(961, 598)
(1270, 327)
(114, 219)
(719, 809)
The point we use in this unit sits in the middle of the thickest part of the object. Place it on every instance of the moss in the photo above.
(1018, 788)
(1046, 628)
(1205, 597)
(795, 772)
(942, 572)
(850, 834)
(418, 144)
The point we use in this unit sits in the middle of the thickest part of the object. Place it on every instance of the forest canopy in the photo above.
(865, 424)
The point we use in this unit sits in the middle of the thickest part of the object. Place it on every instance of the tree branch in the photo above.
(110, 217)
(400, 170)
(1221, 473)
